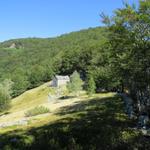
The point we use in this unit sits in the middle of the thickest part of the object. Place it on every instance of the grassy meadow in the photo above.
(74, 123)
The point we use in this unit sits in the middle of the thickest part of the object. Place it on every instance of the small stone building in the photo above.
(60, 80)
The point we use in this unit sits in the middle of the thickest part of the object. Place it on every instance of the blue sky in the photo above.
(49, 18)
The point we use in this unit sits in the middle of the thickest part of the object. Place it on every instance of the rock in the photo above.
(13, 45)
(14, 123)
(143, 120)
(145, 132)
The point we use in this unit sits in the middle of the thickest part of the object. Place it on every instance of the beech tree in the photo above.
(130, 49)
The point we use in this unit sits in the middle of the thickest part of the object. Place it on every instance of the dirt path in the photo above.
(18, 118)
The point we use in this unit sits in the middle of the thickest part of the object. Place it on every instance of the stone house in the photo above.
(60, 80)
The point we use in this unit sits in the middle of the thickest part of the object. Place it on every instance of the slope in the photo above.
(97, 122)
(33, 98)
(33, 61)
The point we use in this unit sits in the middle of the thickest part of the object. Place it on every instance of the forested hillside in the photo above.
(115, 57)
(29, 62)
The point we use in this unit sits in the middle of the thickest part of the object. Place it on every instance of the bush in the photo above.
(75, 84)
(5, 94)
(36, 111)
(91, 86)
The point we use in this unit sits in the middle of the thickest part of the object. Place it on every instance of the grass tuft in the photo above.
(37, 111)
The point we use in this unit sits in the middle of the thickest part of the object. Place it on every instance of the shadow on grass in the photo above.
(5, 113)
(66, 97)
(97, 124)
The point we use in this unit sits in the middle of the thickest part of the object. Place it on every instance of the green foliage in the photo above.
(91, 86)
(21, 82)
(34, 60)
(5, 92)
(129, 38)
(75, 84)
(37, 111)
(116, 55)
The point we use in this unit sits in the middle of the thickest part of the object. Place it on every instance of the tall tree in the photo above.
(130, 48)
(75, 84)
(91, 86)
(5, 94)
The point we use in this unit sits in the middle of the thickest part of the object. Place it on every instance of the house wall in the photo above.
(62, 82)
(57, 83)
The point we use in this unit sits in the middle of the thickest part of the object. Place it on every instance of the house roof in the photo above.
(58, 77)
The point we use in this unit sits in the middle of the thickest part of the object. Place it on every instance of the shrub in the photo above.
(75, 84)
(91, 86)
(36, 111)
(5, 94)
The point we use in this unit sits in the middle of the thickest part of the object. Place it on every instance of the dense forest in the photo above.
(30, 62)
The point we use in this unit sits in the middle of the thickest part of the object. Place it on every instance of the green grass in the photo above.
(28, 100)
(37, 111)
(31, 98)
(97, 123)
